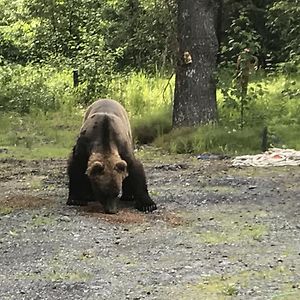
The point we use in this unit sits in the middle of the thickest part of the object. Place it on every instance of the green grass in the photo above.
(37, 152)
(38, 135)
(148, 99)
(227, 287)
(143, 95)
(213, 139)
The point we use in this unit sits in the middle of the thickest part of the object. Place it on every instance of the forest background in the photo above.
(127, 50)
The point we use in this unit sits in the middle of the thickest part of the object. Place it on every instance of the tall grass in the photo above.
(27, 88)
(53, 126)
(148, 101)
(142, 94)
(38, 134)
(211, 138)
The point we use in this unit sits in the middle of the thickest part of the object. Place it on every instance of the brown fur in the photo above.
(103, 171)
(103, 162)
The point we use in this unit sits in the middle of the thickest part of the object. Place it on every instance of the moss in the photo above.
(35, 182)
(230, 234)
(68, 276)
(290, 292)
(5, 210)
(219, 227)
(38, 221)
(36, 152)
(226, 287)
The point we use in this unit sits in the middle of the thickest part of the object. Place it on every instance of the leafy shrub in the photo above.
(26, 88)
(142, 94)
(148, 127)
(212, 139)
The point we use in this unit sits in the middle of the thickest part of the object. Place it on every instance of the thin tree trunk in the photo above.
(195, 87)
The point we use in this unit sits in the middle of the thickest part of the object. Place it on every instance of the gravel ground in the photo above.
(219, 233)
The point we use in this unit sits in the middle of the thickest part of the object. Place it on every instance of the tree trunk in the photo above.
(195, 87)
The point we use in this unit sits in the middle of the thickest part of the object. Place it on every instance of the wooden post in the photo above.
(264, 140)
(75, 78)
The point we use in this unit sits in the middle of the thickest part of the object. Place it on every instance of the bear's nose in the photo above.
(116, 194)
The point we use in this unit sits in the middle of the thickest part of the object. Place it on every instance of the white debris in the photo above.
(272, 157)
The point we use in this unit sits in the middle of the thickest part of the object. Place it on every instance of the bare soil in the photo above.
(219, 233)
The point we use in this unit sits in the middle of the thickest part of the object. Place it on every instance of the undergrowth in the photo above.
(49, 129)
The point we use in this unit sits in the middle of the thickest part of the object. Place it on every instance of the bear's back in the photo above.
(108, 106)
(114, 112)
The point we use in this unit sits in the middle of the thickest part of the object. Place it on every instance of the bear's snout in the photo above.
(111, 207)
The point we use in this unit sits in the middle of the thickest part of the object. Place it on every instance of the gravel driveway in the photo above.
(219, 233)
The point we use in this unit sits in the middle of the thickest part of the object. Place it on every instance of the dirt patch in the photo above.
(124, 216)
(219, 233)
(12, 203)
(130, 216)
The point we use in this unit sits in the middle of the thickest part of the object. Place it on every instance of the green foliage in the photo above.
(53, 132)
(38, 129)
(283, 21)
(141, 93)
(143, 30)
(135, 34)
(268, 27)
(15, 33)
(148, 100)
(241, 34)
(213, 139)
(238, 108)
(271, 101)
(96, 38)
(148, 127)
(221, 140)
(115, 45)
(24, 89)
(102, 39)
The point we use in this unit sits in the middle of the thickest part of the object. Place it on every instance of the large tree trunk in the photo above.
(195, 87)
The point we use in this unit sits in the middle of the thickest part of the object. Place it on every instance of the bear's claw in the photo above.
(146, 207)
(76, 202)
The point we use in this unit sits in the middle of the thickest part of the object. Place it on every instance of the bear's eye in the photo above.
(121, 166)
(97, 169)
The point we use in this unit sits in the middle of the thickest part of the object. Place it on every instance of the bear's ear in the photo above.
(95, 169)
(121, 166)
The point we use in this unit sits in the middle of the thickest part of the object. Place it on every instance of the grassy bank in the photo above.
(45, 130)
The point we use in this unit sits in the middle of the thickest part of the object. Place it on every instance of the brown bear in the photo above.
(102, 165)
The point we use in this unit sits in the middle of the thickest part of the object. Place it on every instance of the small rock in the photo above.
(252, 187)
(65, 219)
(3, 150)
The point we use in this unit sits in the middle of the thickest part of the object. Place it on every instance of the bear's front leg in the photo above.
(79, 186)
(127, 194)
(137, 187)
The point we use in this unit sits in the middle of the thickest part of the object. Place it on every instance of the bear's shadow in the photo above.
(96, 207)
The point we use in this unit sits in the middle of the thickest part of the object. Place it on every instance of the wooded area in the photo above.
(208, 85)
(130, 49)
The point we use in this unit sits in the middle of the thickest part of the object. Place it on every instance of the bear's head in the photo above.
(106, 174)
